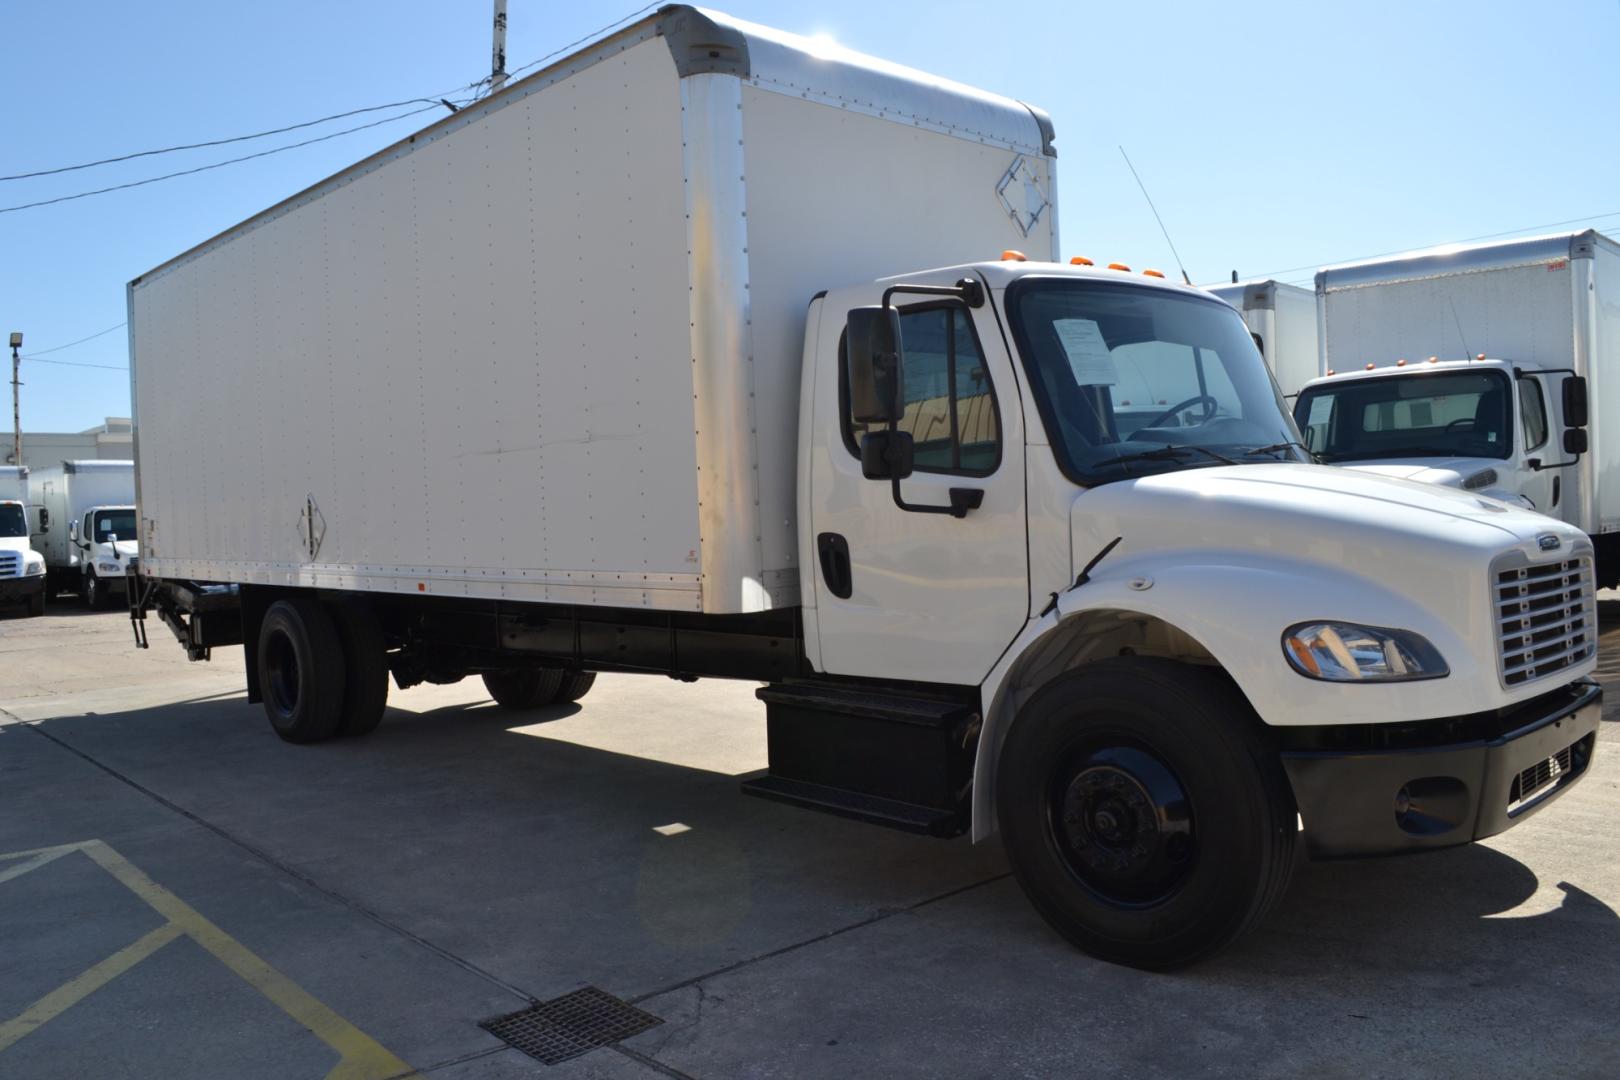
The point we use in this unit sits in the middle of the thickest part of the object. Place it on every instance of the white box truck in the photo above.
(1282, 320)
(87, 530)
(693, 355)
(22, 569)
(1522, 418)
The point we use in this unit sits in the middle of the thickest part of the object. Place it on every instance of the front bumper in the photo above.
(21, 588)
(1429, 794)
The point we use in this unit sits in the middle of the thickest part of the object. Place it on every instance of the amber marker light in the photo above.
(1119, 266)
(1153, 273)
(1013, 256)
(1081, 260)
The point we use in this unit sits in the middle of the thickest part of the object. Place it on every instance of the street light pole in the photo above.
(16, 412)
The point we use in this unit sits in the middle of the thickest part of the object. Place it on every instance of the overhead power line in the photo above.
(76, 363)
(69, 345)
(615, 24)
(236, 138)
(217, 164)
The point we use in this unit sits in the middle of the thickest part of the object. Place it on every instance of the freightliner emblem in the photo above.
(1548, 542)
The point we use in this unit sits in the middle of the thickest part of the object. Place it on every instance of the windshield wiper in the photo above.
(1165, 453)
(1277, 448)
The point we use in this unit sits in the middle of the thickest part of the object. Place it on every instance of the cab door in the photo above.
(908, 595)
(1545, 487)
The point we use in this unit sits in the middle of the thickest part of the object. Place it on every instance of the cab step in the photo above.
(899, 759)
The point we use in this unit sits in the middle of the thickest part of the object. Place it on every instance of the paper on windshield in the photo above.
(1088, 354)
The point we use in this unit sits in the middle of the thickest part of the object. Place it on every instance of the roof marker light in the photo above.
(1081, 260)
(1013, 256)
(1153, 273)
(1400, 363)
(1370, 366)
(1119, 266)
(1332, 372)
(1481, 356)
(1434, 359)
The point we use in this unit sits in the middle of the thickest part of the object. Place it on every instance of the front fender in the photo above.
(1236, 606)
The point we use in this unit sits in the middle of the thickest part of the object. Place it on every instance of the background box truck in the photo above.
(668, 386)
(1523, 418)
(22, 569)
(88, 535)
(1282, 318)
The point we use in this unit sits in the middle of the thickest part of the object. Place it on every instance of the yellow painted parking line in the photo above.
(360, 1057)
(75, 990)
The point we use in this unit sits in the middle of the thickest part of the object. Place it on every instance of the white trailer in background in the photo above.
(639, 365)
(1493, 368)
(22, 569)
(87, 529)
(1282, 318)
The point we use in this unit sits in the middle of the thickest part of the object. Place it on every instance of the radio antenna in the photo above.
(1156, 216)
(1466, 354)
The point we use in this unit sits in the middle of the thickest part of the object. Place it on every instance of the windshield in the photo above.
(120, 523)
(12, 520)
(1443, 414)
(1137, 380)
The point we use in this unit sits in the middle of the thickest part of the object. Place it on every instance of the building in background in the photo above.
(113, 439)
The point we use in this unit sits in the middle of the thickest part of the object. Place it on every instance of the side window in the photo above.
(1532, 413)
(950, 405)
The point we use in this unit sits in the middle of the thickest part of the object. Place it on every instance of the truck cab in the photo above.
(22, 569)
(103, 547)
(1484, 425)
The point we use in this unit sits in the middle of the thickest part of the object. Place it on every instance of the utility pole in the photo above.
(16, 411)
(497, 53)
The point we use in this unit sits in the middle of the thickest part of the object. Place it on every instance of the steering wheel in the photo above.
(1209, 403)
(1469, 420)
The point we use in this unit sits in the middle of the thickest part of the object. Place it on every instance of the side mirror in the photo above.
(73, 531)
(872, 345)
(1575, 402)
(886, 455)
(1575, 441)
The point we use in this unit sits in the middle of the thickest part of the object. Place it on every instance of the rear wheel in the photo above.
(524, 688)
(365, 661)
(300, 660)
(575, 685)
(1143, 813)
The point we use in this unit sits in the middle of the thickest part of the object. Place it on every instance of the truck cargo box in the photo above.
(1282, 318)
(548, 348)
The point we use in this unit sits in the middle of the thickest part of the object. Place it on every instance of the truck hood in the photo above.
(15, 543)
(1397, 532)
(127, 549)
(1447, 472)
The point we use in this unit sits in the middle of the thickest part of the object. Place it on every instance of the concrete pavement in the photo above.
(363, 905)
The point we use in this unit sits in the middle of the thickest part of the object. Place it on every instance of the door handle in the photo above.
(834, 552)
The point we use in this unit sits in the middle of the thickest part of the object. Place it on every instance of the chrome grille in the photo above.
(1546, 618)
(10, 563)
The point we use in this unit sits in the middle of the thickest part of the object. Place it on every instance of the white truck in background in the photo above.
(1521, 419)
(87, 530)
(709, 413)
(1282, 320)
(22, 569)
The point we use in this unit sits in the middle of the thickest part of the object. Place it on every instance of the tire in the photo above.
(365, 668)
(95, 597)
(1143, 813)
(523, 688)
(300, 661)
(575, 685)
(36, 605)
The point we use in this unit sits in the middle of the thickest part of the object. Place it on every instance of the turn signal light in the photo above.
(1081, 260)
(1013, 256)
(1119, 266)
(1152, 273)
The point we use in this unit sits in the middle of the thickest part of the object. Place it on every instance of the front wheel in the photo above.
(36, 605)
(94, 594)
(523, 688)
(1142, 812)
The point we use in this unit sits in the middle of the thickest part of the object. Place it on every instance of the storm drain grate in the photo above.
(574, 1024)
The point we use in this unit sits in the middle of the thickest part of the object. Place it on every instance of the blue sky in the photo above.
(1273, 136)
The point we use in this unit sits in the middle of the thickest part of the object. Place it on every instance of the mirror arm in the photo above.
(967, 290)
(1536, 464)
(962, 499)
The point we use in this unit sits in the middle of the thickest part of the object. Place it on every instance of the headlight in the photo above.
(110, 568)
(1344, 652)
(33, 567)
